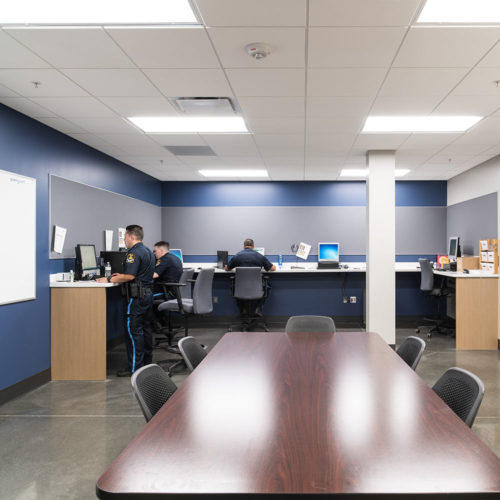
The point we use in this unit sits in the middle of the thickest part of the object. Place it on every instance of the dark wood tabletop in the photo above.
(299, 414)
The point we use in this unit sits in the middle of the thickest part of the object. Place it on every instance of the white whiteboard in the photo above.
(18, 250)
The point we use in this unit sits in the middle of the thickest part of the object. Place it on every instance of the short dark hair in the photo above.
(163, 244)
(248, 242)
(136, 231)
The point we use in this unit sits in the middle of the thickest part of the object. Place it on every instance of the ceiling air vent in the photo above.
(191, 150)
(204, 106)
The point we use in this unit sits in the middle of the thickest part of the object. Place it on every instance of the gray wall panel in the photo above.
(473, 220)
(86, 212)
(420, 230)
(204, 230)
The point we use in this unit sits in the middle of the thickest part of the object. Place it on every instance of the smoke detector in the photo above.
(258, 50)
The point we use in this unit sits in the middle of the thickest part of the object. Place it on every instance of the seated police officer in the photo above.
(248, 257)
(137, 277)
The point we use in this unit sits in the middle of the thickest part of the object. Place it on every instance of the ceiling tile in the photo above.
(261, 107)
(113, 82)
(89, 139)
(480, 81)
(166, 47)
(335, 105)
(408, 82)
(139, 106)
(485, 132)
(14, 55)
(380, 141)
(64, 126)
(232, 144)
(190, 82)
(52, 83)
(73, 107)
(428, 142)
(178, 139)
(402, 105)
(276, 125)
(479, 105)
(445, 47)
(104, 125)
(5, 92)
(27, 107)
(353, 47)
(258, 13)
(267, 82)
(280, 145)
(490, 60)
(76, 47)
(362, 12)
(344, 81)
(332, 144)
(286, 45)
(343, 124)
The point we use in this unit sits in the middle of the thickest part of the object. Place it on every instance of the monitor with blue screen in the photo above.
(177, 252)
(328, 252)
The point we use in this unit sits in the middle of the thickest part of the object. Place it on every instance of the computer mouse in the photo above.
(346, 266)
(466, 271)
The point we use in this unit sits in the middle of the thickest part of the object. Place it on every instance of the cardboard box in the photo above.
(467, 263)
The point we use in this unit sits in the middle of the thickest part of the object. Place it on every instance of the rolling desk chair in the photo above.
(192, 352)
(427, 286)
(411, 350)
(311, 324)
(201, 303)
(250, 291)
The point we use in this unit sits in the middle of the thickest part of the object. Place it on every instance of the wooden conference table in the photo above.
(304, 414)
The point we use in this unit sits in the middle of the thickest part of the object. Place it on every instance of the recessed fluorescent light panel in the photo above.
(460, 12)
(96, 12)
(363, 172)
(234, 173)
(190, 124)
(409, 124)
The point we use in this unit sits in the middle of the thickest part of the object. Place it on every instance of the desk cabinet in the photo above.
(476, 313)
(78, 333)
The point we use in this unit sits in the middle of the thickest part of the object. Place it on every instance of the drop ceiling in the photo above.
(332, 63)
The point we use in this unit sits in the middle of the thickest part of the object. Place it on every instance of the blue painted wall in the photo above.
(30, 148)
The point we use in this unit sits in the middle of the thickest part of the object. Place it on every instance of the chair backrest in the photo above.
(411, 350)
(248, 283)
(426, 275)
(192, 352)
(187, 274)
(152, 388)
(202, 292)
(310, 324)
(462, 391)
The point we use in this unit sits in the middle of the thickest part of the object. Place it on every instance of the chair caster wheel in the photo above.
(417, 330)
(429, 335)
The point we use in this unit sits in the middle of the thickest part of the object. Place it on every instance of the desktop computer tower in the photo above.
(116, 260)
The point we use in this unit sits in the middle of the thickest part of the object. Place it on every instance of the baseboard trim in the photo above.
(26, 385)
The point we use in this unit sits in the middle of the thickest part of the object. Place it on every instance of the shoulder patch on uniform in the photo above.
(130, 258)
(158, 262)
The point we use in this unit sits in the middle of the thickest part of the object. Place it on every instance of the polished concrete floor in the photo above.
(58, 439)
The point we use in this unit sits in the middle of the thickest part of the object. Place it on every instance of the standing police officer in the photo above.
(137, 278)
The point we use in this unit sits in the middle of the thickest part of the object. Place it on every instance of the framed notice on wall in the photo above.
(18, 253)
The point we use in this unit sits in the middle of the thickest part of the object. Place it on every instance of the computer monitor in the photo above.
(454, 248)
(177, 252)
(86, 262)
(260, 250)
(222, 257)
(116, 260)
(328, 252)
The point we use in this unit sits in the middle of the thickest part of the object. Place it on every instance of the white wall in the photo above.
(478, 181)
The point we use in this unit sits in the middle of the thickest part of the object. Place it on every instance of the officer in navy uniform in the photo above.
(137, 277)
(248, 257)
(168, 268)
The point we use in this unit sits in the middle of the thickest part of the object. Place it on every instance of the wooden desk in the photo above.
(476, 310)
(303, 413)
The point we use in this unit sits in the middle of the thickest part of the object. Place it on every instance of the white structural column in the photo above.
(381, 245)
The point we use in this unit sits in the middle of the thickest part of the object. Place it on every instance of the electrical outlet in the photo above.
(353, 300)
(345, 300)
(215, 300)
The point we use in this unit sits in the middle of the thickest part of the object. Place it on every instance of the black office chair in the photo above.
(462, 391)
(152, 388)
(201, 303)
(250, 290)
(192, 351)
(310, 324)
(411, 350)
(427, 286)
